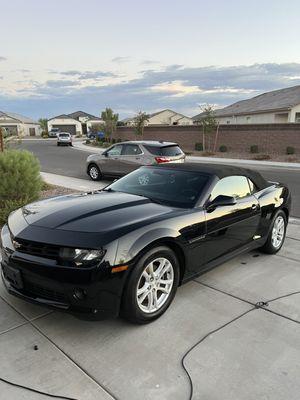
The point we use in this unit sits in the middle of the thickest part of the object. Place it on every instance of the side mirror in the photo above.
(105, 154)
(221, 201)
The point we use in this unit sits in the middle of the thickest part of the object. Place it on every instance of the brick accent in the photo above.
(270, 138)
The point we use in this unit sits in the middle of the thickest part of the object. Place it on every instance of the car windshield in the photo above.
(168, 151)
(167, 186)
(64, 135)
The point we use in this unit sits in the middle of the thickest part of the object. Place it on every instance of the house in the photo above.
(164, 117)
(16, 124)
(76, 123)
(278, 106)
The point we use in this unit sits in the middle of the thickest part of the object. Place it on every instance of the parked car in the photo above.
(122, 158)
(125, 249)
(53, 132)
(64, 138)
(94, 135)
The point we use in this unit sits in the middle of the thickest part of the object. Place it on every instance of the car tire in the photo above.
(58, 144)
(94, 172)
(277, 234)
(142, 283)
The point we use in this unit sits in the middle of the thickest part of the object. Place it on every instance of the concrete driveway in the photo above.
(257, 356)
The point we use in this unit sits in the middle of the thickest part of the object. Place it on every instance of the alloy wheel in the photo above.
(278, 232)
(94, 173)
(155, 285)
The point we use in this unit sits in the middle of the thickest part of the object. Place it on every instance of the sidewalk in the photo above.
(78, 145)
(73, 183)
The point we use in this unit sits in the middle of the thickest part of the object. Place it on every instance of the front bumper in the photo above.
(42, 282)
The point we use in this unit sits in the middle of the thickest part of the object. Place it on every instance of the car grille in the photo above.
(43, 292)
(36, 249)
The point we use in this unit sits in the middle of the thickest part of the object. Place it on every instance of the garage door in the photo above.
(66, 128)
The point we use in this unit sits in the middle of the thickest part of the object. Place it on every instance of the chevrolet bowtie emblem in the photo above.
(16, 244)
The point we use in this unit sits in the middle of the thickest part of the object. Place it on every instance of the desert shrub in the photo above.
(87, 141)
(199, 146)
(20, 181)
(290, 150)
(254, 149)
(44, 135)
(223, 148)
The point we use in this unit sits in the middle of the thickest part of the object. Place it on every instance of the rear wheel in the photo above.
(151, 286)
(94, 172)
(277, 234)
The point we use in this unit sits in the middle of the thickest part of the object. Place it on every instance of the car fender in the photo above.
(133, 244)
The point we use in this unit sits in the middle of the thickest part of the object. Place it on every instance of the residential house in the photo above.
(76, 123)
(16, 124)
(161, 118)
(277, 106)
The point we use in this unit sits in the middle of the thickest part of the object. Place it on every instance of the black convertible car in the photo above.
(125, 249)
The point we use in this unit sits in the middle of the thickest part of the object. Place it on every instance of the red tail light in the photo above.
(160, 160)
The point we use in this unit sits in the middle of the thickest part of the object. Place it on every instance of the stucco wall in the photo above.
(270, 138)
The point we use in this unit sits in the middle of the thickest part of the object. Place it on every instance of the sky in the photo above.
(60, 56)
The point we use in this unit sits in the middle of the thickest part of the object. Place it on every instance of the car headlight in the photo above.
(81, 257)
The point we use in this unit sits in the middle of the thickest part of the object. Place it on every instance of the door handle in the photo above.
(254, 207)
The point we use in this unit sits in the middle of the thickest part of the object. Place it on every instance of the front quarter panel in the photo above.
(185, 231)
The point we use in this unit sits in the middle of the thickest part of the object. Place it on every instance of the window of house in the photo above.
(234, 186)
(297, 117)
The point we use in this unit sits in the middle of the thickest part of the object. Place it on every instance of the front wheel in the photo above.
(277, 234)
(94, 172)
(151, 286)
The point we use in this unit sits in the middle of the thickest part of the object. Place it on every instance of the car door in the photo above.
(131, 158)
(110, 160)
(232, 226)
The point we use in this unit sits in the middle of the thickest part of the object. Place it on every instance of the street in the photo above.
(71, 162)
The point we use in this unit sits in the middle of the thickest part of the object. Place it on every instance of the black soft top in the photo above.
(219, 170)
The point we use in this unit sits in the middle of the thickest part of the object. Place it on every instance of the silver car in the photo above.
(122, 158)
(64, 138)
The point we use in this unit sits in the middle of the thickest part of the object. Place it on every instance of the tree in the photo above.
(110, 119)
(1, 140)
(139, 123)
(43, 125)
(209, 125)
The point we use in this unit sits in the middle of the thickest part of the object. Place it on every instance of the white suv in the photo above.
(64, 138)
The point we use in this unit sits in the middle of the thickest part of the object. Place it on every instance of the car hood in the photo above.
(108, 215)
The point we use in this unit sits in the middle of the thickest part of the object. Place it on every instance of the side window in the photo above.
(115, 151)
(131, 150)
(253, 188)
(235, 186)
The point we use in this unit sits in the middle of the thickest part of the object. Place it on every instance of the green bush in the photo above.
(199, 146)
(223, 148)
(290, 150)
(20, 181)
(44, 135)
(254, 149)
